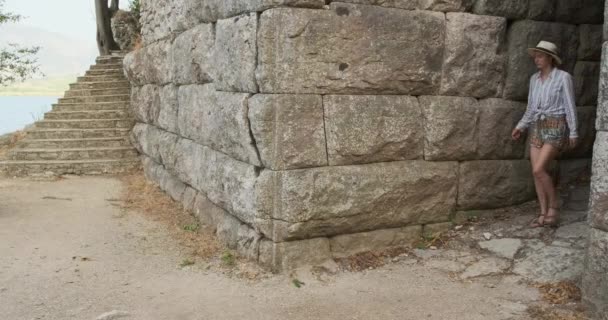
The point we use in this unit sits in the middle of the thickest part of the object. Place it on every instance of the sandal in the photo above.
(538, 222)
(552, 220)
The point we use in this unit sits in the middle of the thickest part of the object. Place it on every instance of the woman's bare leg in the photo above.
(540, 171)
(540, 191)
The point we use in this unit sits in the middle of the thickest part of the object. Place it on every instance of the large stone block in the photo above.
(586, 133)
(580, 11)
(184, 14)
(450, 126)
(590, 47)
(586, 78)
(598, 213)
(445, 5)
(491, 184)
(153, 142)
(133, 64)
(167, 115)
(595, 276)
(298, 204)
(350, 49)
(543, 10)
(154, 20)
(350, 244)
(145, 103)
(217, 120)
(227, 182)
(289, 130)
(512, 9)
(366, 129)
(149, 65)
(401, 4)
(497, 118)
(602, 99)
(235, 54)
(222, 9)
(526, 34)
(190, 55)
(284, 256)
(474, 57)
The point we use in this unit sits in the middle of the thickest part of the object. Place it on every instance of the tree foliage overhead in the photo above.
(17, 63)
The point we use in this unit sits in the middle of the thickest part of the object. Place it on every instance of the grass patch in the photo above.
(143, 196)
(228, 259)
(186, 262)
(193, 227)
(9, 141)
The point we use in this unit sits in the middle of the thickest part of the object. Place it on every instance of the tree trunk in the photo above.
(105, 38)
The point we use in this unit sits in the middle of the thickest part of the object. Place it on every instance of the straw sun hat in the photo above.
(547, 48)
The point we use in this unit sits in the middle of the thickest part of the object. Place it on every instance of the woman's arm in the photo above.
(569, 105)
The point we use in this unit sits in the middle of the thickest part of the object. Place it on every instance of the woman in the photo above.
(551, 114)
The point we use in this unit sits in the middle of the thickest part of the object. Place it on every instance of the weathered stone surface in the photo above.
(579, 12)
(490, 184)
(285, 256)
(145, 103)
(154, 16)
(221, 9)
(512, 9)
(474, 56)
(153, 142)
(350, 244)
(348, 199)
(595, 276)
(486, 267)
(366, 129)
(248, 243)
(227, 182)
(445, 5)
(217, 120)
(526, 34)
(450, 127)
(543, 10)
(551, 264)
(573, 231)
(602, 106)
(185, 14)
(504, 248)
(125, 29)
(497, 118)
(598, 216)
(190, 55)
(167, 115)
(289, 130)
(586, 133)
(188, 198)
(149, 65)
(350, 49)
(401, 4)
(586, 78)
(166, 181)
(572, 170)
(235, 53)
(590, 47)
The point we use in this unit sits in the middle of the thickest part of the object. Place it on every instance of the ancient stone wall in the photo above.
(302, 129)
(595, 279)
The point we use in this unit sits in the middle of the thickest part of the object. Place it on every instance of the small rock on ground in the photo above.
(505, 248)
(114, 314)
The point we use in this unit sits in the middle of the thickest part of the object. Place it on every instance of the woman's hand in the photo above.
(572, 143)
(516, 134)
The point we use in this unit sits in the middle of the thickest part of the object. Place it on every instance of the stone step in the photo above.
(80, 167)
(92, 106)
(72, 153)
(104, 72)
(111, 77)
(106, 66)
(85, 124)
(94, 114)
(108, 59)
(77, 133)
(113, 142)
(100, 85)
(107, 98)
(97, 92)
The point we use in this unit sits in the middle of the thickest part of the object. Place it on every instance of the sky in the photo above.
(71, 18)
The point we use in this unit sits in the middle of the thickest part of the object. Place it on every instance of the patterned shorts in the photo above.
(551, 130)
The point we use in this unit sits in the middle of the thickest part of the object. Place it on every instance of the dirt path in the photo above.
(66, 252)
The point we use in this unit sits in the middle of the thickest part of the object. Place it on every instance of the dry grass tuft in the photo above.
(560, 293)
(14, 138)
(142, 196)
(366, 260)
(551, 313)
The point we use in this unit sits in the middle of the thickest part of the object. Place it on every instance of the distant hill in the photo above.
(61, 59)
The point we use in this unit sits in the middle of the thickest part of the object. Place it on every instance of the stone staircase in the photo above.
(87, 131)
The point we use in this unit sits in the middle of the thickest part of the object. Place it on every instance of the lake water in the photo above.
(17, 112)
